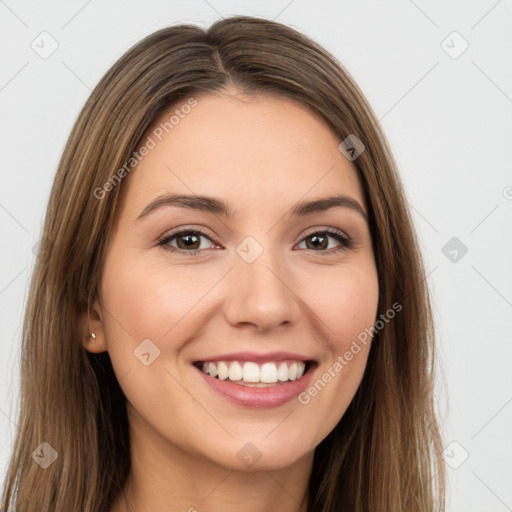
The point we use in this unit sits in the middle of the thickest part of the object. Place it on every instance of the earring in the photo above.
(92, 337)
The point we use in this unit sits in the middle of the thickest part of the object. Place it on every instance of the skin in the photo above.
(260, 154)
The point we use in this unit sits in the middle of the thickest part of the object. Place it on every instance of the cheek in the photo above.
(346, 306)
(148, 301)
(346, 303)
(355, 310)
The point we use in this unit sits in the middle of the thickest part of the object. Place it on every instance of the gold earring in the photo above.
(92, 337)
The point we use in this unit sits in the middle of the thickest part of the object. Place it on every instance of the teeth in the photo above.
(282, 373)
(292, 371)
(222, 370)
(250, 372)
(235, 371)
(268, 372)
(212, 369)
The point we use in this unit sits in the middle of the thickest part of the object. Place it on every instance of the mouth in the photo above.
(257, 383)
(253, 374)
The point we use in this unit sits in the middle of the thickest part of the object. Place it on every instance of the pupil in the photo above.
(316, 238)
(188, 236)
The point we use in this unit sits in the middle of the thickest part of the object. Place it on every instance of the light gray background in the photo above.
(449, 124)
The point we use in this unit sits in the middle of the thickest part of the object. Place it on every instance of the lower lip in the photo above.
(258, 397)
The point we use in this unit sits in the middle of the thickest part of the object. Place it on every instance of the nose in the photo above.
(262, 293)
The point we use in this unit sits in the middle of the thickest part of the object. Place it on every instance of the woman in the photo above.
(229, 310)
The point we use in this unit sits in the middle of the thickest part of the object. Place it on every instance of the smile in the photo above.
(249, 372)
(257, 384)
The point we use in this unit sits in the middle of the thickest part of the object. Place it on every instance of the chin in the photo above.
(253, 454)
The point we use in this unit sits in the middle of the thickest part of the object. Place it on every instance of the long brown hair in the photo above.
(385, 454)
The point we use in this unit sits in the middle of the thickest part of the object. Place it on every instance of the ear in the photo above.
(91, 321)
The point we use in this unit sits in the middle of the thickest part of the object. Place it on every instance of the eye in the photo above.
(319, 239)
(186, 239)
(189, 241)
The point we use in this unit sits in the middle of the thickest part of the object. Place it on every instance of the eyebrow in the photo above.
(218, 207)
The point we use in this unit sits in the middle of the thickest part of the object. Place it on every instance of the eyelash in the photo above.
(346, 242)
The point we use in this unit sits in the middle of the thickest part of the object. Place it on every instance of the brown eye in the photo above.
(187, 241)
(319, 240)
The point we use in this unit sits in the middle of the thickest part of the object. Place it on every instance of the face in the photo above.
(266, 299)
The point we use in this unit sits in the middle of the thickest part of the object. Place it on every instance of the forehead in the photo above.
(260, 151)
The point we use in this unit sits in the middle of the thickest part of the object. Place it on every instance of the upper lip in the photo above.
(256, 357)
